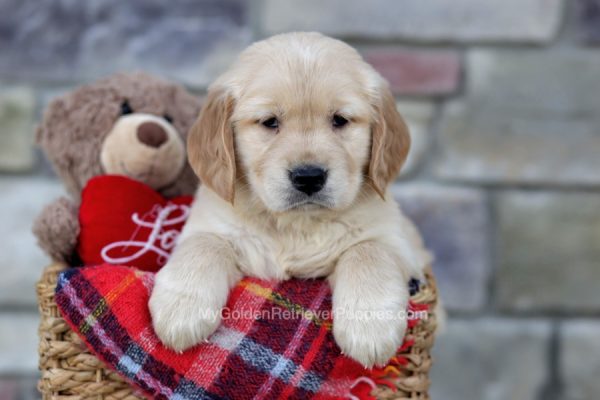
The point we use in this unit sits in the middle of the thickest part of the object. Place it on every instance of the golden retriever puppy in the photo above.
(295, 146)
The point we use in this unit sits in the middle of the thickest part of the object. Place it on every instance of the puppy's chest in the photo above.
(297, 250)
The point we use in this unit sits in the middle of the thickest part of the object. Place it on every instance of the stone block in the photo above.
(454, 223)
(17, 108)
(587, 19)
(22, 261)
(18, 343)
(580, 359)
(535, 21)
(529, 117)
(548, 251)
(19, 388)
(80, 40)
(491, 359)
(417, 72)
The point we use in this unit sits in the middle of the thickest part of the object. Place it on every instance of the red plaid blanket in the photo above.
(272, 344)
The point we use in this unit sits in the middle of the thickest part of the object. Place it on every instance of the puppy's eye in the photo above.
(168, 118)
(126, 108)
(271, 123)
(338, 121)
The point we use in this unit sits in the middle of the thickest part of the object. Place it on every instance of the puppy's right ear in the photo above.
(210, 144)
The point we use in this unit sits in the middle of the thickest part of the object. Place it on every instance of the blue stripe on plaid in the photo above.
(264, 359)
(188, 390)
(63, 278)
(128, 367)
(131, 362)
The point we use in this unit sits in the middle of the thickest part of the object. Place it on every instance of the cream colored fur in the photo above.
(122, 153)
(355, 234)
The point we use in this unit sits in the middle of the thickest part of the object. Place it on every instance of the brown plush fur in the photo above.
(75, 125)
(73, 131)
(57, 229)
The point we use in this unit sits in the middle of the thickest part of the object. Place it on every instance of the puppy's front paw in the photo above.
(180, 320)
(369, 339)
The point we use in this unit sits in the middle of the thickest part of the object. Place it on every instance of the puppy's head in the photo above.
(300, 122)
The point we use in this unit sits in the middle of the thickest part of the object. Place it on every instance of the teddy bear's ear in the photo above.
(210, 144)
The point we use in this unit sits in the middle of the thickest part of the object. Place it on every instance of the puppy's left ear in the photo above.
(390, 142)
(211, 145)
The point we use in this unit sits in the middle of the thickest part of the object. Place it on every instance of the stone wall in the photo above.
(503, 99)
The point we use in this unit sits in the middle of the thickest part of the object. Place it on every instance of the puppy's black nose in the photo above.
(308, 179)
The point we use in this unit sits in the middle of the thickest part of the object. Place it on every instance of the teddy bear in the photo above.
(129, 124)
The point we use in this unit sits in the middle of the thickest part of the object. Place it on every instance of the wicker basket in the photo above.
(70, 371)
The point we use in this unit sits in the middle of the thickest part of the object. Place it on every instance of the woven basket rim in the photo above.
(70, 371)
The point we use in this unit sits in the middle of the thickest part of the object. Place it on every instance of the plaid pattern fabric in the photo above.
(275, 341)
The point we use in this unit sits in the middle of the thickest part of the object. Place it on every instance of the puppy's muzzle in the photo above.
(308, 179)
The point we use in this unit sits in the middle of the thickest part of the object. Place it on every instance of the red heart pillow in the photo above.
(126, 222)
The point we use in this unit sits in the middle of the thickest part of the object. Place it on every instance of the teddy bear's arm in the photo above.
(57, 229)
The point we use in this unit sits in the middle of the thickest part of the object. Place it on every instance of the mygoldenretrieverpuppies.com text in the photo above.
(320, 316)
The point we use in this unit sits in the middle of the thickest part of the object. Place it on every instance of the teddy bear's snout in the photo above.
(151, 134)
(144, 147)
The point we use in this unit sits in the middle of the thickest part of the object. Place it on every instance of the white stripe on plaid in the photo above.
(226, 338)
(264, 359)
(204, 372)
(291, 350)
